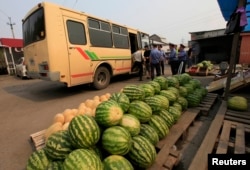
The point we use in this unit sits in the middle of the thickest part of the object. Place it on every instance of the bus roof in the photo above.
(75, 11)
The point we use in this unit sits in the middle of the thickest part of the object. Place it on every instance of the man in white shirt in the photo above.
(138, 62)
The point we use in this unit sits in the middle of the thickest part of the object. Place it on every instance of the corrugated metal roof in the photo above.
(10, 42)
(227, 7)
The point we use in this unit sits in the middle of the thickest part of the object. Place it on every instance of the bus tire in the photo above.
(101, 78)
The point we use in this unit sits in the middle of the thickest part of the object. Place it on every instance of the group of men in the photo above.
(154, 60)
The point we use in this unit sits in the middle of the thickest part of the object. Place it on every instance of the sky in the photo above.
(170, 19)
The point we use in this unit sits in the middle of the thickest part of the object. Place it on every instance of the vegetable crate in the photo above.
(229, 132)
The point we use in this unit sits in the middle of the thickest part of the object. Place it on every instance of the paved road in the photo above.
(28, 106)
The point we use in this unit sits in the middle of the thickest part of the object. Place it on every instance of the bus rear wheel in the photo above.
(101, 78)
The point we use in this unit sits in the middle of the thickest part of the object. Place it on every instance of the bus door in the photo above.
(79, 61)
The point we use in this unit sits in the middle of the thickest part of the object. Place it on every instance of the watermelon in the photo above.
(148, 89)
(98, 150)
(183, 91)
(175, 91)
(193, 100)
(58, 145)
(164, 101)
(149, 133)
(122, 99)
(183, 101)
(173, 81)
(134, 92)
(116, 140)
(177, 106)
(238, 103)
(196, 83)
(189, 87)
(142, 153)
(167, 117)
(141, 110)
(38, 160)
(55, 165)
(131, 123)
(170, 95)
(83, 131)
(159, 126)
(156, 86)
(108, 113)
(154, 102)
(162, 81)
(175, 112)
(117, 162)
(82, 159)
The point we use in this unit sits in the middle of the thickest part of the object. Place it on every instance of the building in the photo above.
(11, 50)
(212, 45)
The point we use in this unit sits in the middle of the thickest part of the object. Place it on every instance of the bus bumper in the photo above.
(50, 76)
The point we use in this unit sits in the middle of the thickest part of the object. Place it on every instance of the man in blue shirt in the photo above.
(154, 58)
(172, 59)
(182, 57)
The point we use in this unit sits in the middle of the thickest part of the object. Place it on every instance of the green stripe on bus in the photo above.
(94, 55)
(115, 57)
(90, 55)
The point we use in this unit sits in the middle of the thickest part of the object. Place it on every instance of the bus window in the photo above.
(76, 32)
(34, 27)
(99, 33)
(120, 37)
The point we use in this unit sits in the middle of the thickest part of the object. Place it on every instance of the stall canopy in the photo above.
(227, 7)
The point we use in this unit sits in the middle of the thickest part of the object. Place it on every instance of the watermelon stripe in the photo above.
(38, 160)
(84, 131)
(142, 152)
(58, 145)
(82, 159)
(116, 140)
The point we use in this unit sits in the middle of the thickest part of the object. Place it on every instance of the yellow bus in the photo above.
(74, 48)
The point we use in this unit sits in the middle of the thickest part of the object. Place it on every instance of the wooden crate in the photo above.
(38, 140)
(207, 103)
(232, 138)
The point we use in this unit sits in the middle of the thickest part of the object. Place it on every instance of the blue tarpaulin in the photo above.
(227, 7)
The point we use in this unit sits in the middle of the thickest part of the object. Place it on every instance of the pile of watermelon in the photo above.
(124, 129)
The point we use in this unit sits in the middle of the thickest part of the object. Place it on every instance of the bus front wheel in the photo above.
(101, 78)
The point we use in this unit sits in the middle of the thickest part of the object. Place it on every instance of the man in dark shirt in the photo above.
(147, 63)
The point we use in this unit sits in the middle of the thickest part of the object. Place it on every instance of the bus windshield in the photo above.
(34, 27)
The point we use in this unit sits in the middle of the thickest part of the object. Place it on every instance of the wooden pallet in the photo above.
(225, 135)
(166, 159)
(38, 140)
(200, 160)
(207, 103)
(232, 138)
(241, 117)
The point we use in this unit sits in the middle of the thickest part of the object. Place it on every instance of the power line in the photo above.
(10, 23)
(11, 27)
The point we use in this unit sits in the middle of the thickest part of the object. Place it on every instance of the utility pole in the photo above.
(11, 27)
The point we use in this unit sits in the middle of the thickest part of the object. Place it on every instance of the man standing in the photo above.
(190, 56)
(162, 59)
(172, 59)
(138, 62)
(182, 57)
(154, 58)
(147, 63)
